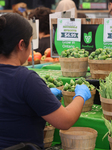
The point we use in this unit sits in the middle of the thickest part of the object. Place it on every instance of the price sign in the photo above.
(68, 29)
(107, 30)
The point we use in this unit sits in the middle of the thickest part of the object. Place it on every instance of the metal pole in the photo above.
(32, 56)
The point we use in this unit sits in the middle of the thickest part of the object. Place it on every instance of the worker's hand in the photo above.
(83, 91)
(56, 92)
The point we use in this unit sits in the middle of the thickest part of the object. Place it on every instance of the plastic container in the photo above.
(74, 67)
(78, 138)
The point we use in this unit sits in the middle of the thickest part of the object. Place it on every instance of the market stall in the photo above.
(91, 39)
(91, 119)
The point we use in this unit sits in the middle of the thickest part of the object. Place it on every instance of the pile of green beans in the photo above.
(105, 88)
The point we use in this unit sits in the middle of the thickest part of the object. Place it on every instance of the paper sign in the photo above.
(35, 26)
(68, 29)
(107, 30)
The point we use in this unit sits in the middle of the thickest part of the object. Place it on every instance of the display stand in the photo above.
(92, 119)
(89, 27)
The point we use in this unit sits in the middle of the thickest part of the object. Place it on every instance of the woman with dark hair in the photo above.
(42, 13)
(26, 103)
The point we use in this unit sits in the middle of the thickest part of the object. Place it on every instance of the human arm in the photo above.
(65, 117)
(45, 104)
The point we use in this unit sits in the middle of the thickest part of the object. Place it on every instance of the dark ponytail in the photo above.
(13, 28)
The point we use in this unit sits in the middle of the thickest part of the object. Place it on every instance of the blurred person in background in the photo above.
(110, 7)
(20, 8)
(64, 5)
(32, 4)
(42, 13)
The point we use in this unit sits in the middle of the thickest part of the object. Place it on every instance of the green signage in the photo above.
(86, 5)
(88, 37)
(99, 38)
(2, 3)
(62, 45)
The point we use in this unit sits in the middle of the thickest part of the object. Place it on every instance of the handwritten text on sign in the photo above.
(68, 30)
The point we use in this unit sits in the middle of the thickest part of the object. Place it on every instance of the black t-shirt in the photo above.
(44, 43)
(24, 98)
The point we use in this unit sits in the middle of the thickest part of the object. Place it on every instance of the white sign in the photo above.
(69, 29)
(107, 30)
(35, 26)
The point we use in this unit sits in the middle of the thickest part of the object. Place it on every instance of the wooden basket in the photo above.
(74, 67)
(100, 68)
(106, 107)
(48, 136)
(110, 141)
(68, 98)
(43, 62)
(60, 87)
(78, 138)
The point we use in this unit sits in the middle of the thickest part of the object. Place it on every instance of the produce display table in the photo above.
(55, 74)
(92, 119)
(56, 66)
(39, 66)
(58, 74)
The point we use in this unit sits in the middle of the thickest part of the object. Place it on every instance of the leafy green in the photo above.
(105, 88)
(109, 127)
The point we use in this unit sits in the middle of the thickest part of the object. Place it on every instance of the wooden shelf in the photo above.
(78, 11)
(92, 11)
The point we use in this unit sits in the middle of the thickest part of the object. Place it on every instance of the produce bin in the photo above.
(68, 98)
(100, 68)
(74, 67)
(92, 119)
(106, 107)
(78, 138)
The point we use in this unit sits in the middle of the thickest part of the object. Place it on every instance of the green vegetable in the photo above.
(75, 53)
(47, 76)
(93, 54)
(103, 57)
(50, 79)
(52, 82)
(51, 85)
(109, 127)
(101, 54)
(105, 88)
(71, 87)
(72, 82)
(97, 51)
(66, 87)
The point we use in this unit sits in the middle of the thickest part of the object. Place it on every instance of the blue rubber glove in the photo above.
(56, 92)
(83, 91)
